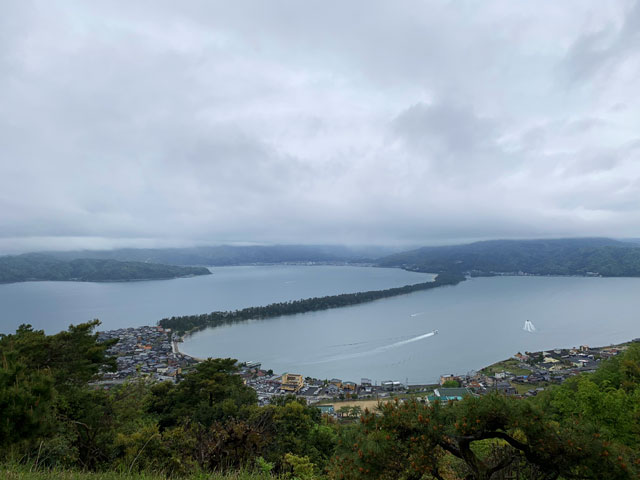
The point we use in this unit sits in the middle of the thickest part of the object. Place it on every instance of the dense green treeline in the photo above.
(210, 421)
(24, 472)
(52, 419)
(191, 323)
(22, 268)
(587, 428)
(581, 256)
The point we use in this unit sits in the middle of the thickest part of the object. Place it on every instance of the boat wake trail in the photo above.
(373, 351)
(410, 340)
(528, 326)
(417, 314)
(369, 341)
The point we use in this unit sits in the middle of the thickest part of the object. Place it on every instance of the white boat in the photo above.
(528, 326)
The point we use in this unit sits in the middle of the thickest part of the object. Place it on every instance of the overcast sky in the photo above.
(168, 123)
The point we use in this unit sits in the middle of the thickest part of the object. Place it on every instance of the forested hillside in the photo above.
(235, 255)
(51, 417)
(582, 256)
(22, 268)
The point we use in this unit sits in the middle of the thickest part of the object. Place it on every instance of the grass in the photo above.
(512, 365)
(523, 388)
(23, 473)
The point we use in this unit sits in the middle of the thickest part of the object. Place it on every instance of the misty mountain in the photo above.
(28, 267)
(576, 256)
(236, 255)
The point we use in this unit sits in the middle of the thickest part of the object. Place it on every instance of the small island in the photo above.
(39, 267)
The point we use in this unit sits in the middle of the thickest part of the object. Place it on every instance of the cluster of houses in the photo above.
(268, 385)
(149, 351)
(143, 351)
(543, 368)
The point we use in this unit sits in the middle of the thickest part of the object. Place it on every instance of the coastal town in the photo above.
(144, 351)
(151, 352)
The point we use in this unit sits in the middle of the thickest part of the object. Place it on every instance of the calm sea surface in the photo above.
(479, 321)
(52, 306)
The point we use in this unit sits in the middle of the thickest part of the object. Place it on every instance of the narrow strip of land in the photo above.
(193, 323)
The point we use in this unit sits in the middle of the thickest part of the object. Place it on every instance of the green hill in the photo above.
(28, 267)
(580, 256)
(222, 255)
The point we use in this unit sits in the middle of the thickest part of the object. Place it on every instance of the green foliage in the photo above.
(608, 400)
(193, 323)
(42, 377)
(302, 468)
(22, 268)
(16, 472)
(209, 393)
(290, 426)
(451, 384)
(609, 258)
(50, 418)
(207, 422)
(25, 399)
(511, 365)
(264, 466)
(350, 412)
(233, 254)
(411, 440)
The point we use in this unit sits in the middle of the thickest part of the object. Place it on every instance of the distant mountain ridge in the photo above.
(571, 256)
(33, 266)
(226, 255)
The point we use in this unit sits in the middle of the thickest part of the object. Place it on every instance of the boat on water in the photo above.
(528, 326)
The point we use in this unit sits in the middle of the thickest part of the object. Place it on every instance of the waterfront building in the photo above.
(366, 385)
(292, 383)
(391, 385)
(253, 365)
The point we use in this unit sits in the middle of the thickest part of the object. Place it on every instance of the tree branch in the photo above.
(504, 463)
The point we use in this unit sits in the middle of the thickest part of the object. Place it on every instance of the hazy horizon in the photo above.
(152, 124)
(355, 247)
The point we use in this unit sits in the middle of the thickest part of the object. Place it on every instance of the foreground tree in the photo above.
(26, 399)
(206, 395)
(411, 440)
(45, 402)
(608, 399)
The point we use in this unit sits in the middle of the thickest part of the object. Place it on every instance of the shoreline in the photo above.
(622, 345)
(125, 280)
(176, 351)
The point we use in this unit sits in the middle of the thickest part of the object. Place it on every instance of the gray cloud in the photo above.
(153, 123)
(607, 48)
